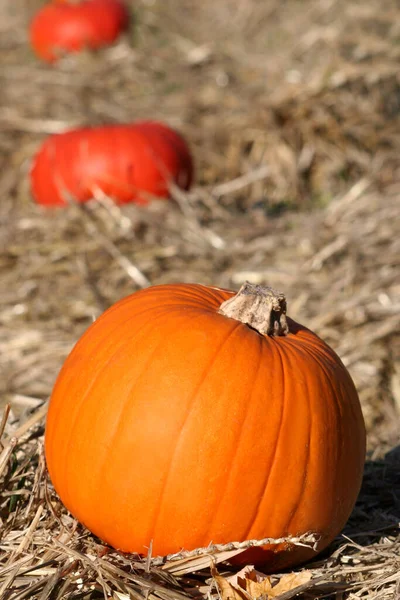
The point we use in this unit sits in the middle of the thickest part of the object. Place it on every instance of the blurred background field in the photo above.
(292, 110)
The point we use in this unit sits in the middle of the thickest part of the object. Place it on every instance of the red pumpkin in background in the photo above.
(62, 27)
(130, 163)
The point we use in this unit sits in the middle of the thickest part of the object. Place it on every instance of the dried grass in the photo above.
(293, 114)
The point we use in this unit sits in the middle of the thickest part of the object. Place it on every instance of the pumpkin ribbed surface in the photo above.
(173, 423)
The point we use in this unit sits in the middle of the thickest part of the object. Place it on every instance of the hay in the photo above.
(293, 115)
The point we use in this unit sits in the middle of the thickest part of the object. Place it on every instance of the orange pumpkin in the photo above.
(187, 415)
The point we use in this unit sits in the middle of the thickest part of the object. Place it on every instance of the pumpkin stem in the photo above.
(259, 306)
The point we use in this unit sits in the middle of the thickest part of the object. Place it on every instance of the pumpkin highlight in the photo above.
(173, 421)
(64, 27)
(130, 163)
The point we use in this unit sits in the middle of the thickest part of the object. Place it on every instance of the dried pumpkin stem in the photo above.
(259, 306)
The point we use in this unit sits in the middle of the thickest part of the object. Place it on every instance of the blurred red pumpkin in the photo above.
(130, 163)
(62, 27)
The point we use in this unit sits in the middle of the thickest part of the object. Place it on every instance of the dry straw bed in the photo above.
(47, 554)
(292, 110)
